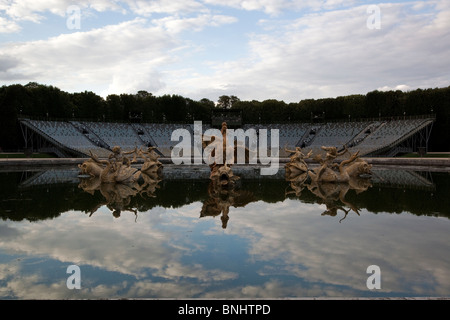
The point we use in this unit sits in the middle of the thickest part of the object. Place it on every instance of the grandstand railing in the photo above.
(51, 139)
(290, 132)
(402, 138)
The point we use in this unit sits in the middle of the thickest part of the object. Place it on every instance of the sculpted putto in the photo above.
(330, 171)
(330, 180)
(221, 172)
(297, 164)
(118, 181)
(117, 167)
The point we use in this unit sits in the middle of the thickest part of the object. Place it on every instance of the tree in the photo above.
(227, 102)
(224, 102)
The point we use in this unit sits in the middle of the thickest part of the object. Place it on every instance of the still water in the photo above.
(266, 238)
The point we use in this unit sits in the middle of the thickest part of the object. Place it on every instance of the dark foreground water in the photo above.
(266, 238)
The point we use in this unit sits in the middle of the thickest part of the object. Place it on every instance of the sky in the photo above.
(287, 50)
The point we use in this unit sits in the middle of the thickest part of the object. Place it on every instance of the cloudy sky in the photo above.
(255, 49)
(173, 253)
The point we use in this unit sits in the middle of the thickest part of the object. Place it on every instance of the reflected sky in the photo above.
(268, 250)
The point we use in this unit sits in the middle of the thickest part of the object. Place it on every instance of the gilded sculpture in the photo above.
(221, 172)
(329, 169)
(118, 181)
(117, 167)
(297, 164)
(330, 180)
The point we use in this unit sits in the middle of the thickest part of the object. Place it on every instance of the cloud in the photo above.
(8, 26)
(174, 24)
(196, 49)
(35, 11)
(157, 256)
(276, 7)
(401, 87)
(147, 8)
(326, 54)
(125, 56)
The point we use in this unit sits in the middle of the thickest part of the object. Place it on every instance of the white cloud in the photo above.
(175, 24)
(334, 53)
(146, 8)
(8, 26)
(30, 10)
(401, 87)
(323, 52)
(276, 7)
(126, 54)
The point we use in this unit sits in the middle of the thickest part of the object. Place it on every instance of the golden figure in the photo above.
(297, 164)
(118, 181)
(329, 171)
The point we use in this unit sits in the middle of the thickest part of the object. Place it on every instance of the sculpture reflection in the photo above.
(118, 196)
(330, 181)
(333, 196)
(118, 181)
(329, 193)
(221, 198)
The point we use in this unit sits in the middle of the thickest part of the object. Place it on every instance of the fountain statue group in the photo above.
(118, 181)
(328, 170)
(117, 168)
(329, 180)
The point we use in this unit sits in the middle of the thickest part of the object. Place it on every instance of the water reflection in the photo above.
(220, 199)
(118, 196)
(26, 196)
(279, 244)
(331, 194)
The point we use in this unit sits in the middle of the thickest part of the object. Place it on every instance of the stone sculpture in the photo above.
(117, 168)
(330, 171)
(222, 172)
(118, 181)
(331, 180)
(297, 183)
(296, 165)
(151, 163)
(223, 176)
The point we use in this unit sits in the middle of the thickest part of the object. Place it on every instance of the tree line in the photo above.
(49, 102)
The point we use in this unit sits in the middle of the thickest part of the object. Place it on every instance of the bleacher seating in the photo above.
(162, 134)
(67, 135)
(365, 136)
(335, 134)
(387, 134)
(116, 134)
